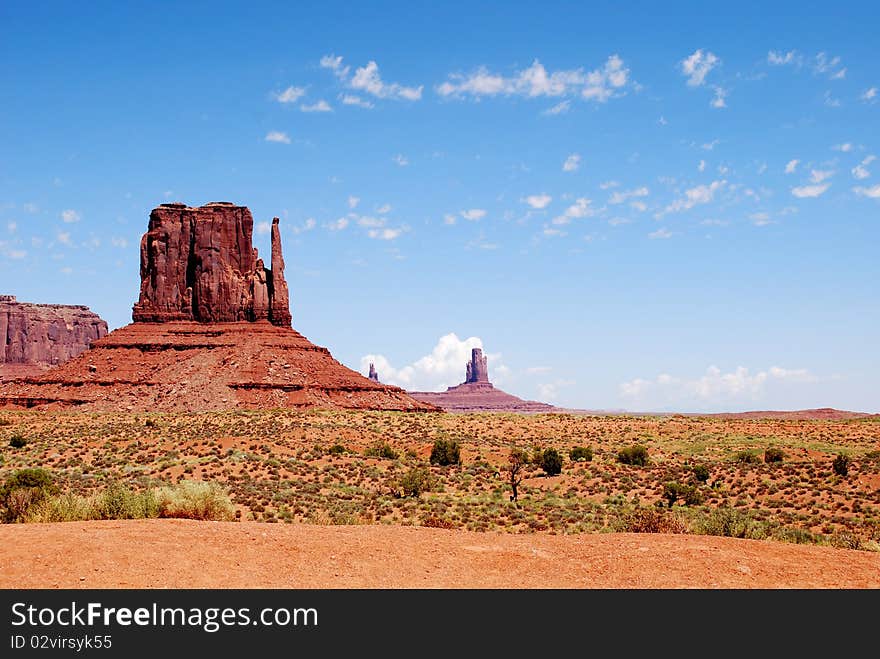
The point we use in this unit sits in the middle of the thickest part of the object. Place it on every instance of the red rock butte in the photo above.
(211, 331)
(477, 394)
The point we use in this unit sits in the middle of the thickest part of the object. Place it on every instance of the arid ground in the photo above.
(330, 490)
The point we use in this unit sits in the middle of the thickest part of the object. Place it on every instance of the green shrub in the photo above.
(649, 520)
(416, 481)
(119, 502)
(773, 454)
(445, 452)
(382, 450)
(841, 465)
(701, 473)
(731, 523)
(24, 489)
(551, 462)
(194, 500)
(337, 449)
(580, 453)
(17, 441)
(746, 457)
(691, 496)
(634, 455)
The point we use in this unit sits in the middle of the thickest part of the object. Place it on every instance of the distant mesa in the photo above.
(211, 331)
(35, 337)
(374, 375)
(477, 394)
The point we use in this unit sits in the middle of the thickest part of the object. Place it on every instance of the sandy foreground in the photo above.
(187, 554)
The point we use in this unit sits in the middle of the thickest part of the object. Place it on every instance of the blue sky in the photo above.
(628, 206)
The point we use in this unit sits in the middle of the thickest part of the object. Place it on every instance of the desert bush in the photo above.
(794, 535)
(580, 453)
(731, 523)
(22, 490)
(337, 449)
(434, 522)
(633, 455)
(847, 540)
(840, 465)
(773, 454)
(673, 491)
(445, 452)
(649, 520)
(416, 481)
(551, 462)
(746, 457)
(17, 441)
(68, 507)
(701, 473)
(382, 450)
(194, 500)
(119, 502)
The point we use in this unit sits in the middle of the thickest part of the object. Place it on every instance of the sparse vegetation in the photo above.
(773, 454)
(516, 462)
(551, 462)
(689, 494)
(17, 441)
(840, 465)
(636, 455)
(416, 481)
(581, 454)
(382, 450)
(701, 473)
(445, 452)
(747, 457)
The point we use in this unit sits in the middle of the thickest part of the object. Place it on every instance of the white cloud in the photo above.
(350, 99)
(830, 101)
(549, 391)
(873, 192)
(660, 234)
(846, 147)
(385, 233)
(778, 58)
(30, 207)
(401, 160)
(572, 163)
(449, 218)
(383, 209)
(825, 64)
(819, 175)
(473, 214)
(709, 146)
(535, 81)
(791, 166)
(640, 206)
(277, 136)
(119, 242)
(443, 367)
(353, 201)
(308, 225)
(63, 237)
(320, 106)
(701, 194)
(290, 95)
(697, 66)
(69, 216)
(606, 185)
(263, 228)
(368, 80)
(714, 387)
(702, 166)
(334, 63)
(810, 190)
(760, 219)
(621, 196)
(338, 225)
(869, 95)
(718, 100)
(560, 108)
(538, 201)
(580, 208)
(860, 171)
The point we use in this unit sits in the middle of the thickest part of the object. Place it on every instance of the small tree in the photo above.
(516, 463)
(416, 481)
(551, 462)
(579, 453)
(773, 454)
(17, 441)
(634, 455)
(445, 452)
(841, 465)
(701, 473)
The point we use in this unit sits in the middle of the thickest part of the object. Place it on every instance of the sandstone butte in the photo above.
(477, 394)
(35, 337)
(212, 331)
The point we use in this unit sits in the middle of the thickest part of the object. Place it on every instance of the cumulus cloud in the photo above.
(778, 58)
(791, 166)
(290, 95)
(277, 136)
(69, 216)
(334, 63)
(860, 171)
(846, 147)
(599, 85)
(473, 214)
(819, 175)
(548, 392)
(873, 192)
(63, 237)
(701, 194)
(620, 196)
(718, 101)
(263, 228)
(869, 95)
(320, 106)
(697, 66)
(443, 366)
(538, 201)
(368, 80)
(338, 225)
(713, 388)
(572, 163)
(351, 99)
(809, 191)
(353, 201)
(308, 225)
(580, 208)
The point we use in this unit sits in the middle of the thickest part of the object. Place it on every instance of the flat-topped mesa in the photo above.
(374, 376)
(477, 369)
(200, 264)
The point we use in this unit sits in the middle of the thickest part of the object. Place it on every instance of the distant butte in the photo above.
(211, 331)
(374, 375)
(477, 394)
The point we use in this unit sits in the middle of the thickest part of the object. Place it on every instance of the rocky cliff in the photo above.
(199, 264)
(44, 335)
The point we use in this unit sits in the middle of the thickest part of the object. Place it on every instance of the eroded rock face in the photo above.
(374, 375)
(200, 264)
(45, 334)
(477, 370)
